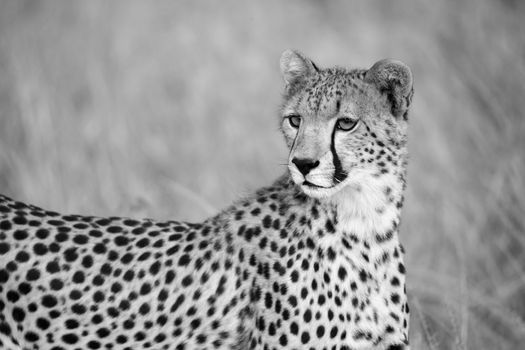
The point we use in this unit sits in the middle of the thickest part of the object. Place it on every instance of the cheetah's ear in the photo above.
(393, 78)
(295, 67)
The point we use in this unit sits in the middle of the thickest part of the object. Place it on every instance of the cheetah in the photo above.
(312, 261)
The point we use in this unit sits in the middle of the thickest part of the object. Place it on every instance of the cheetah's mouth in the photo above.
(312, 185)
(317, 191)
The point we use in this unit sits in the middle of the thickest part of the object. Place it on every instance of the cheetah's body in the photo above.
(278, 270)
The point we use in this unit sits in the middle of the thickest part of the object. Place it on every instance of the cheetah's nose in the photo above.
(305, 164)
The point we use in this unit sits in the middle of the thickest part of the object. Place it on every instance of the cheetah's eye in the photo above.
(347, 124)
(294, 120)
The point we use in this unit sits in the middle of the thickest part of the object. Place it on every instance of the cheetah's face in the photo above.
(343, 127)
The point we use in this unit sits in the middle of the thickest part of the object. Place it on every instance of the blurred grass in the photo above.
(168, 110)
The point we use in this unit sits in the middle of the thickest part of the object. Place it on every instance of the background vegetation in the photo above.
(169, 110)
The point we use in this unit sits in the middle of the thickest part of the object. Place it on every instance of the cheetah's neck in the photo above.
(370, 207)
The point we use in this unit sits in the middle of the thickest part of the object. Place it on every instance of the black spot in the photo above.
(70, 254)
(56, 284)
(268, 300)
(20, 220)
(145, 289)
(40, 249)
(394, 281)
(32, 275)
(395, 298)
(201, 338)
(121, 240)
(121, 339)
(56, 222)
(78, 277)
(4, 248)
(93, 344)
(5, 329)
(159, 338)
(70, 338)
(5, 225)
(4, 276)
(353, 286)
(11, 266)
(330, 253)
(79, 309)
(396, 347)
(80, 239)
(271, 329)
(71, 323)
(32, 307)
(184, 260)
(87, 261)
(305, 265)
(143, 242)
(283, 340)
(144, 256)
(18, 314)
(49, 301)
(12, 296)
(75, 294)
(126, 258)
(329, 226)
(99, 248)
(144, 309)
(294, 276)
(31, 337)
(113, 312)
(362, 275)
(138, 230)
(24, 288)
(54, 247)
(320, 332)
(307, 317)
(186, 281)
(52, 267)
(128, 324)
(154, 268)
(305, 337)
(139, 336)
(267, 221)
(20, 235)
(304, 292)
(128, 275)
(42, 233)
(341, 273)
(61, 237)
(294, 328)
(177, 303)
(42, 323)
(333, 332)
(98, 296)
(116, 287)
(386, 237)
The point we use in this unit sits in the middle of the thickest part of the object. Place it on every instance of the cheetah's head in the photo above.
(344, 127)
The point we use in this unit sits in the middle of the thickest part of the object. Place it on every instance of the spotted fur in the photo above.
(290, 267)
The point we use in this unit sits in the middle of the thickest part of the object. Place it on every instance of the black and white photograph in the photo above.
(268, 175)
